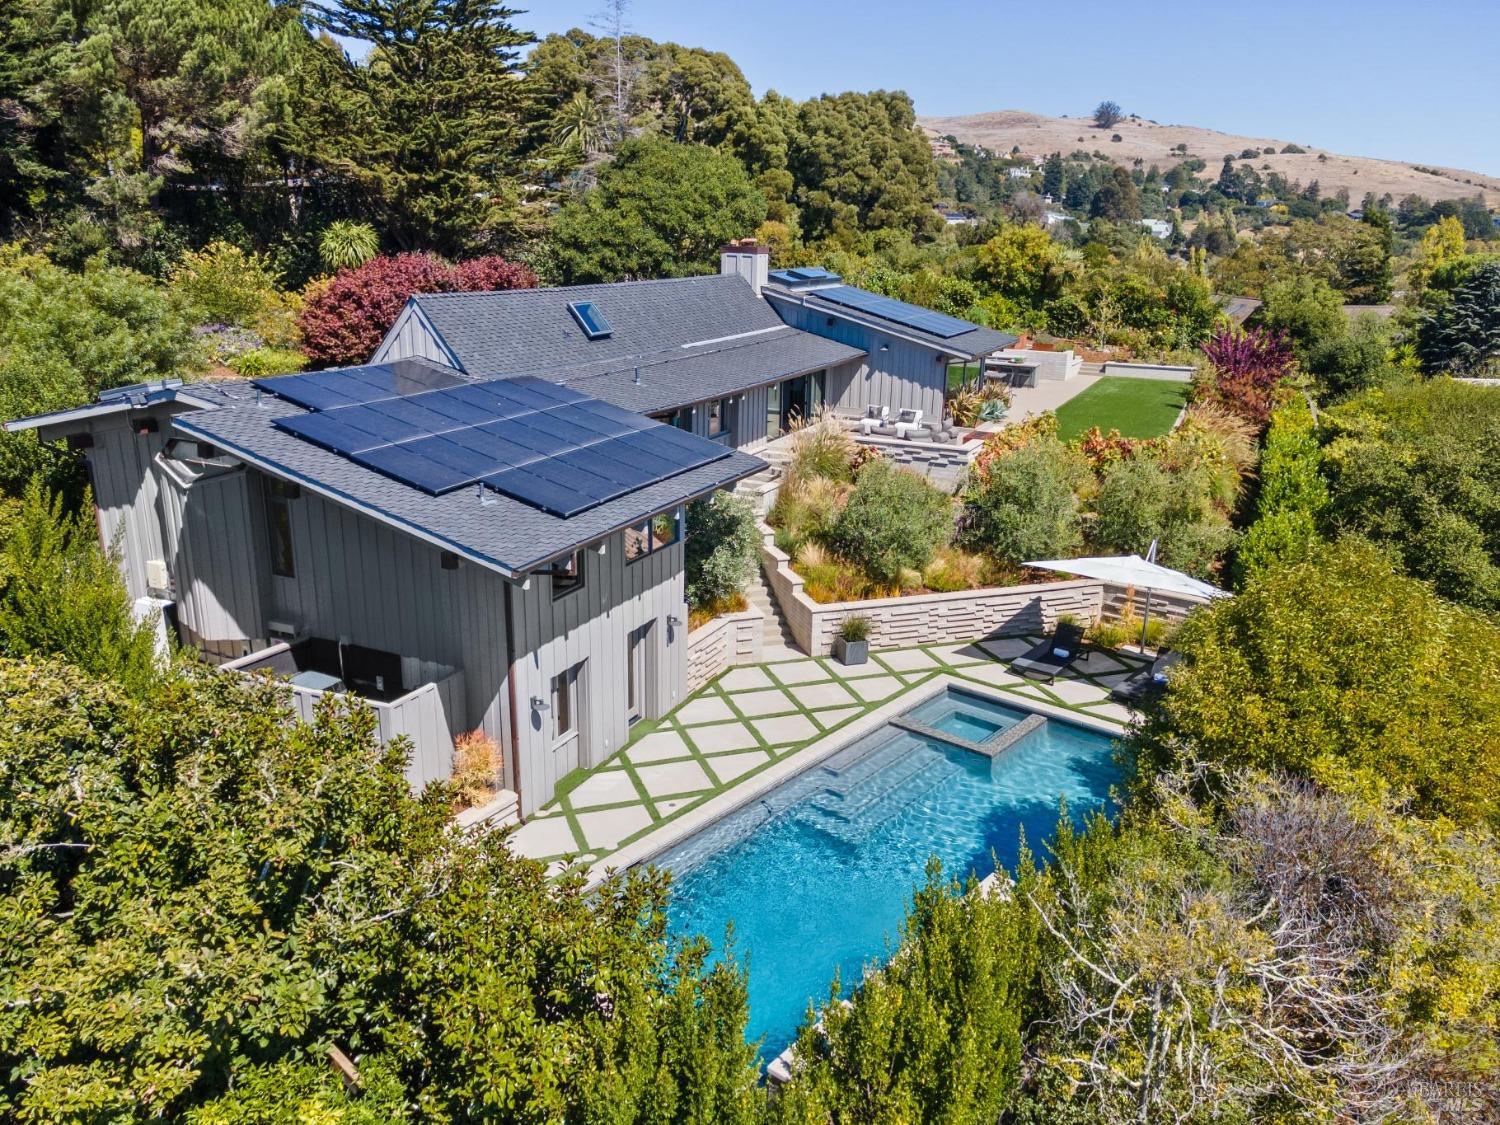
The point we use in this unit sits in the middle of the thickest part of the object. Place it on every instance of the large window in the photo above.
(567, 575)
(655, 534)
(565, 702)
(279, 494)
(719, 422)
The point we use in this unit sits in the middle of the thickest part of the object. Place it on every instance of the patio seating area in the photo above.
(754, 717)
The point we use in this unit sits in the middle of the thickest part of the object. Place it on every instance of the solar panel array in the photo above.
(535, 441)
(347, 386)
(888, 308)
(802, 275)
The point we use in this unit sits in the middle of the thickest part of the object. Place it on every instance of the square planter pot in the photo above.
(851, 652)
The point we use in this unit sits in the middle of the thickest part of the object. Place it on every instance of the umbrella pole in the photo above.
(1146, 619)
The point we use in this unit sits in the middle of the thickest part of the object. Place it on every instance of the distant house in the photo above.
(481, 528)
(1054, 218)
(1020, 173)
(958, 219)
(1159, 228)
(1238, 309)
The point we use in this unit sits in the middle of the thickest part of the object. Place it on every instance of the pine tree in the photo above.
(1054, 176)
(428, 125)
(1464, 336)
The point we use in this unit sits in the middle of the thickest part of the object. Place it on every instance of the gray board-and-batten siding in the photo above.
(895, 372)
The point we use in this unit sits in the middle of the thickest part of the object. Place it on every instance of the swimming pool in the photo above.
(817, 874)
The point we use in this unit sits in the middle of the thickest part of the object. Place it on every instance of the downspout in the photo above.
(510, 687)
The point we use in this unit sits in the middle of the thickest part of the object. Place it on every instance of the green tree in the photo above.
(61, 595)
(66, 336)
(722, 549)
(936, 1035)
(1118, 200)
(861, 163)
(1343, 671)
(893, 521)
(660, 210)
(1023, 505)
(1355, 361)
(202, 898)
(1107, 115)
(1307, 309)
(1413, 468)
(428, 126)
(1023, 264)
(1463, 336)
(1054, 176)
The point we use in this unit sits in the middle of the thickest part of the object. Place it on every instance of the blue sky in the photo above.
(1416, 80)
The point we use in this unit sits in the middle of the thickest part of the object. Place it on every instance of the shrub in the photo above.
(344, 320)
(1415, 468)
(223, 284)
(855, 627)
(1022, 505)
(257, 363)
(344, 245)
(953, 569)
(1292, 496)
(893, 520)
(1341, 670)
(1130, 507)
(224, 860)
(61, 595)
(477, 767)
(1249, 368)
(820, 448)
(722, 548)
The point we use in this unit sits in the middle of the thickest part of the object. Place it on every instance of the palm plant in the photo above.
(344, 245)
(579, 126)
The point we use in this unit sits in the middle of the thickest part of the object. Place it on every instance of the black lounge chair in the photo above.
(1056, 654)
(1144, 685)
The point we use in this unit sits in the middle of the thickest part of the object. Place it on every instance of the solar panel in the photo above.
(538, 442)
(899, 312)
(593, 322)
(347, 386)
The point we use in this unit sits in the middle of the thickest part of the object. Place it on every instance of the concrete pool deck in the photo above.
(758, 724)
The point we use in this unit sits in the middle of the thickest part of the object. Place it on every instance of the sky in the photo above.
(1412, 80)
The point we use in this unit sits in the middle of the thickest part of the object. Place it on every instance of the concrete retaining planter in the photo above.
(1170, 372)
(920, 619)
(720, 644)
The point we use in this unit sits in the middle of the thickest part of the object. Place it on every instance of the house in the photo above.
(1054, 218)
(481, 528)
(1022, 173)
(1159, 228)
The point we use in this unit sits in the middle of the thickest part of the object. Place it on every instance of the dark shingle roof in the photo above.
(686, 375)
(529, 331)
(504, 534)
(980, 341)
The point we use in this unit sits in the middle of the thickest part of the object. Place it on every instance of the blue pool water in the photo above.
(818, 874)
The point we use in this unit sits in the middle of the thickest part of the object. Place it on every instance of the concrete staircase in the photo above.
(761, 488)
(777, 636)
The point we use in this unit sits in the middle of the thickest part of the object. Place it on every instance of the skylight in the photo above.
(590, 319)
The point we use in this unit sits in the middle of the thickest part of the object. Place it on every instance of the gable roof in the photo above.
(531, 331)
(483, 526)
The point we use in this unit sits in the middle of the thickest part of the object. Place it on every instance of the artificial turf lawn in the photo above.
(1138, 408)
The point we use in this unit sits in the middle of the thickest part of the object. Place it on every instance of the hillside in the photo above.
(1002, 129)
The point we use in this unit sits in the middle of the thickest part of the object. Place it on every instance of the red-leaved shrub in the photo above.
(344, 321)
(1249, 368)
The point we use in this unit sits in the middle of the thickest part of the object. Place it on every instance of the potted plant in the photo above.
(852, 645)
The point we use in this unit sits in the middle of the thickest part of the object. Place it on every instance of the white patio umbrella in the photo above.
(1132, 570)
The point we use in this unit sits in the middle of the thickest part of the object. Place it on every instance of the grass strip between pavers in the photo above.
(910, 682)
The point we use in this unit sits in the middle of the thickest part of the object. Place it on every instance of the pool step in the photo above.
(851, 817)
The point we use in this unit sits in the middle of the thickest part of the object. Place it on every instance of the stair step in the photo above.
(858, 825)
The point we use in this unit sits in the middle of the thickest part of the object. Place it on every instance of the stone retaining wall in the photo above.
(727, 640)
(921, 619)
